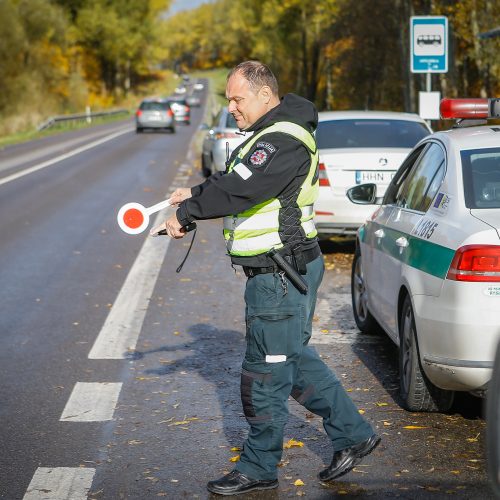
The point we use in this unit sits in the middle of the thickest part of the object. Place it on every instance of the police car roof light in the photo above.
(451, 109)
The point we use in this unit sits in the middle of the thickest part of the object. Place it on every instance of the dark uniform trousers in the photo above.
(279, 325)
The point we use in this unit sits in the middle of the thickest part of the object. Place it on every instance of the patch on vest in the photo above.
(262, 154)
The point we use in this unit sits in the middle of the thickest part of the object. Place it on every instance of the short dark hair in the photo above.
(257, 74)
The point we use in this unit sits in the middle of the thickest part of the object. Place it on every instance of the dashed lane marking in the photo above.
(60, 483)
(92, 402)
(119, 334)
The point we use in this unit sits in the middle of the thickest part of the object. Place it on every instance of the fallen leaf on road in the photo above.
(361, 412)
(292, 442)
(235, 448)
(234, 459)
(299, 482)
(382, 404)
(413, 427)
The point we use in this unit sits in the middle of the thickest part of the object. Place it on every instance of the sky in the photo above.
(178, 5)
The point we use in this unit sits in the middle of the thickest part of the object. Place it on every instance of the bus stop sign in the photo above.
(429, 44)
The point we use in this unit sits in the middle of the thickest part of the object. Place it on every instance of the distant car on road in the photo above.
(193, 100)
(357, 147)
(427, 262)
(154, 113)
(181, 109)
(220, 141)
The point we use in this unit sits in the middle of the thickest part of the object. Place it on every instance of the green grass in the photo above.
(29, 135)
(163, 85)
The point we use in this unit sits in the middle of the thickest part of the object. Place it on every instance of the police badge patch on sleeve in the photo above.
(262, 154)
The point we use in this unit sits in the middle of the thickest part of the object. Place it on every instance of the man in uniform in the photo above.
(266, 197)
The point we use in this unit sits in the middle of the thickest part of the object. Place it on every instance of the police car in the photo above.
(427, 262)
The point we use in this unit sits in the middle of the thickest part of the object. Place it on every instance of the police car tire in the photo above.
(493, 425)
(417, 391)
(367, 324)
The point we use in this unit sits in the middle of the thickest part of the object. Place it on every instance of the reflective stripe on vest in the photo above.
(256, 230)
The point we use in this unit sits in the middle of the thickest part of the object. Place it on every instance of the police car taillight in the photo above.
(475, 263)
(450, 109)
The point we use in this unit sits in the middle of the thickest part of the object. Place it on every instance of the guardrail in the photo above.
(81, 116)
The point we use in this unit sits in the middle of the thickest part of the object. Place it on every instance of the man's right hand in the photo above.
(179, 195)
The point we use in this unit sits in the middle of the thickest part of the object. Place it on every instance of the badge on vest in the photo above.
(262, 154)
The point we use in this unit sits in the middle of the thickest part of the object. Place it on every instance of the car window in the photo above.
(397, 184)
(424, 180)
(230, 121)
(369, 133)
(154, 106)
(216, 119)
(481, 174)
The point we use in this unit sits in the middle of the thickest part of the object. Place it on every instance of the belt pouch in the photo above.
(299, 260)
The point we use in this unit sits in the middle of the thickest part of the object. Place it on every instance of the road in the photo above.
(120, 377)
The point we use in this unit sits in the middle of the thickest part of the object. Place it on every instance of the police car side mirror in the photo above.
(364, 194)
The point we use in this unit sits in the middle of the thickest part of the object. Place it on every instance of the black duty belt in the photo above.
(308, 256)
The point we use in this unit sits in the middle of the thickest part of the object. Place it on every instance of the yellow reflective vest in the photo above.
(257, 230)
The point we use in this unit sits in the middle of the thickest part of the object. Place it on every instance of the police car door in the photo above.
(402, 262)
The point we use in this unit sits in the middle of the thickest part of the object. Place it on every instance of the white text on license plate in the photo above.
(375, 176)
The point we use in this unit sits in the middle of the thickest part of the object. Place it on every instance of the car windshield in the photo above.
(230, 121)
(154, 106)
(369, 133)
(481, 173)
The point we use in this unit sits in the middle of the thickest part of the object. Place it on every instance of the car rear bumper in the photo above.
(154, 124)
(458, 333)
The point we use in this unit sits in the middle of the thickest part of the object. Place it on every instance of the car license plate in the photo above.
(375, 176)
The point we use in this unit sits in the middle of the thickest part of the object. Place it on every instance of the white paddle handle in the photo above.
(158, 207)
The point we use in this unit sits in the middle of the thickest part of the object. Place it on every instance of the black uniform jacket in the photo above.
(278, 164)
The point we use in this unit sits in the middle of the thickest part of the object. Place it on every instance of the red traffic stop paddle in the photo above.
(133, 218)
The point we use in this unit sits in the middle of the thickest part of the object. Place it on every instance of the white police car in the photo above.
(427, 263)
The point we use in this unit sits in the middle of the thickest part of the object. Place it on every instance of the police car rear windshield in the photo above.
(481, 174)
(372, 133)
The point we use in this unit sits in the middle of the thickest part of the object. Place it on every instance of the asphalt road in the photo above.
(120, 377)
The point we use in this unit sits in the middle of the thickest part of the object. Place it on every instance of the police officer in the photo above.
(266, 197)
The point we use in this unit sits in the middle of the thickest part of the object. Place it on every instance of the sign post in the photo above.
(429, 54)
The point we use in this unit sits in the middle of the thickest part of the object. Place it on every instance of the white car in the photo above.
(219, 142)
(427, 264)
(357, 147)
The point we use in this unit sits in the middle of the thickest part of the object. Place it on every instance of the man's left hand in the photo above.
(172, 226)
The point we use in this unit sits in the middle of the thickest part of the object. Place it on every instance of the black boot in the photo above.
(236, 482)
(345, 460)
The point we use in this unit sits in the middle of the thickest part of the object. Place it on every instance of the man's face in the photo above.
(246, 106)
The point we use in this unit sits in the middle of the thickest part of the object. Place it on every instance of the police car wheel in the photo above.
(493, 425)
(417, 391)
(364, 320)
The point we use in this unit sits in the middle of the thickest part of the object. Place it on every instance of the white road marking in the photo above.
(122, 327)
(92, 402)
(65, 156)
(60, 483)
(121, 330)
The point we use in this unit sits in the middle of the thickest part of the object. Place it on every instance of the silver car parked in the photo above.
(154, 114)
(221, 139)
